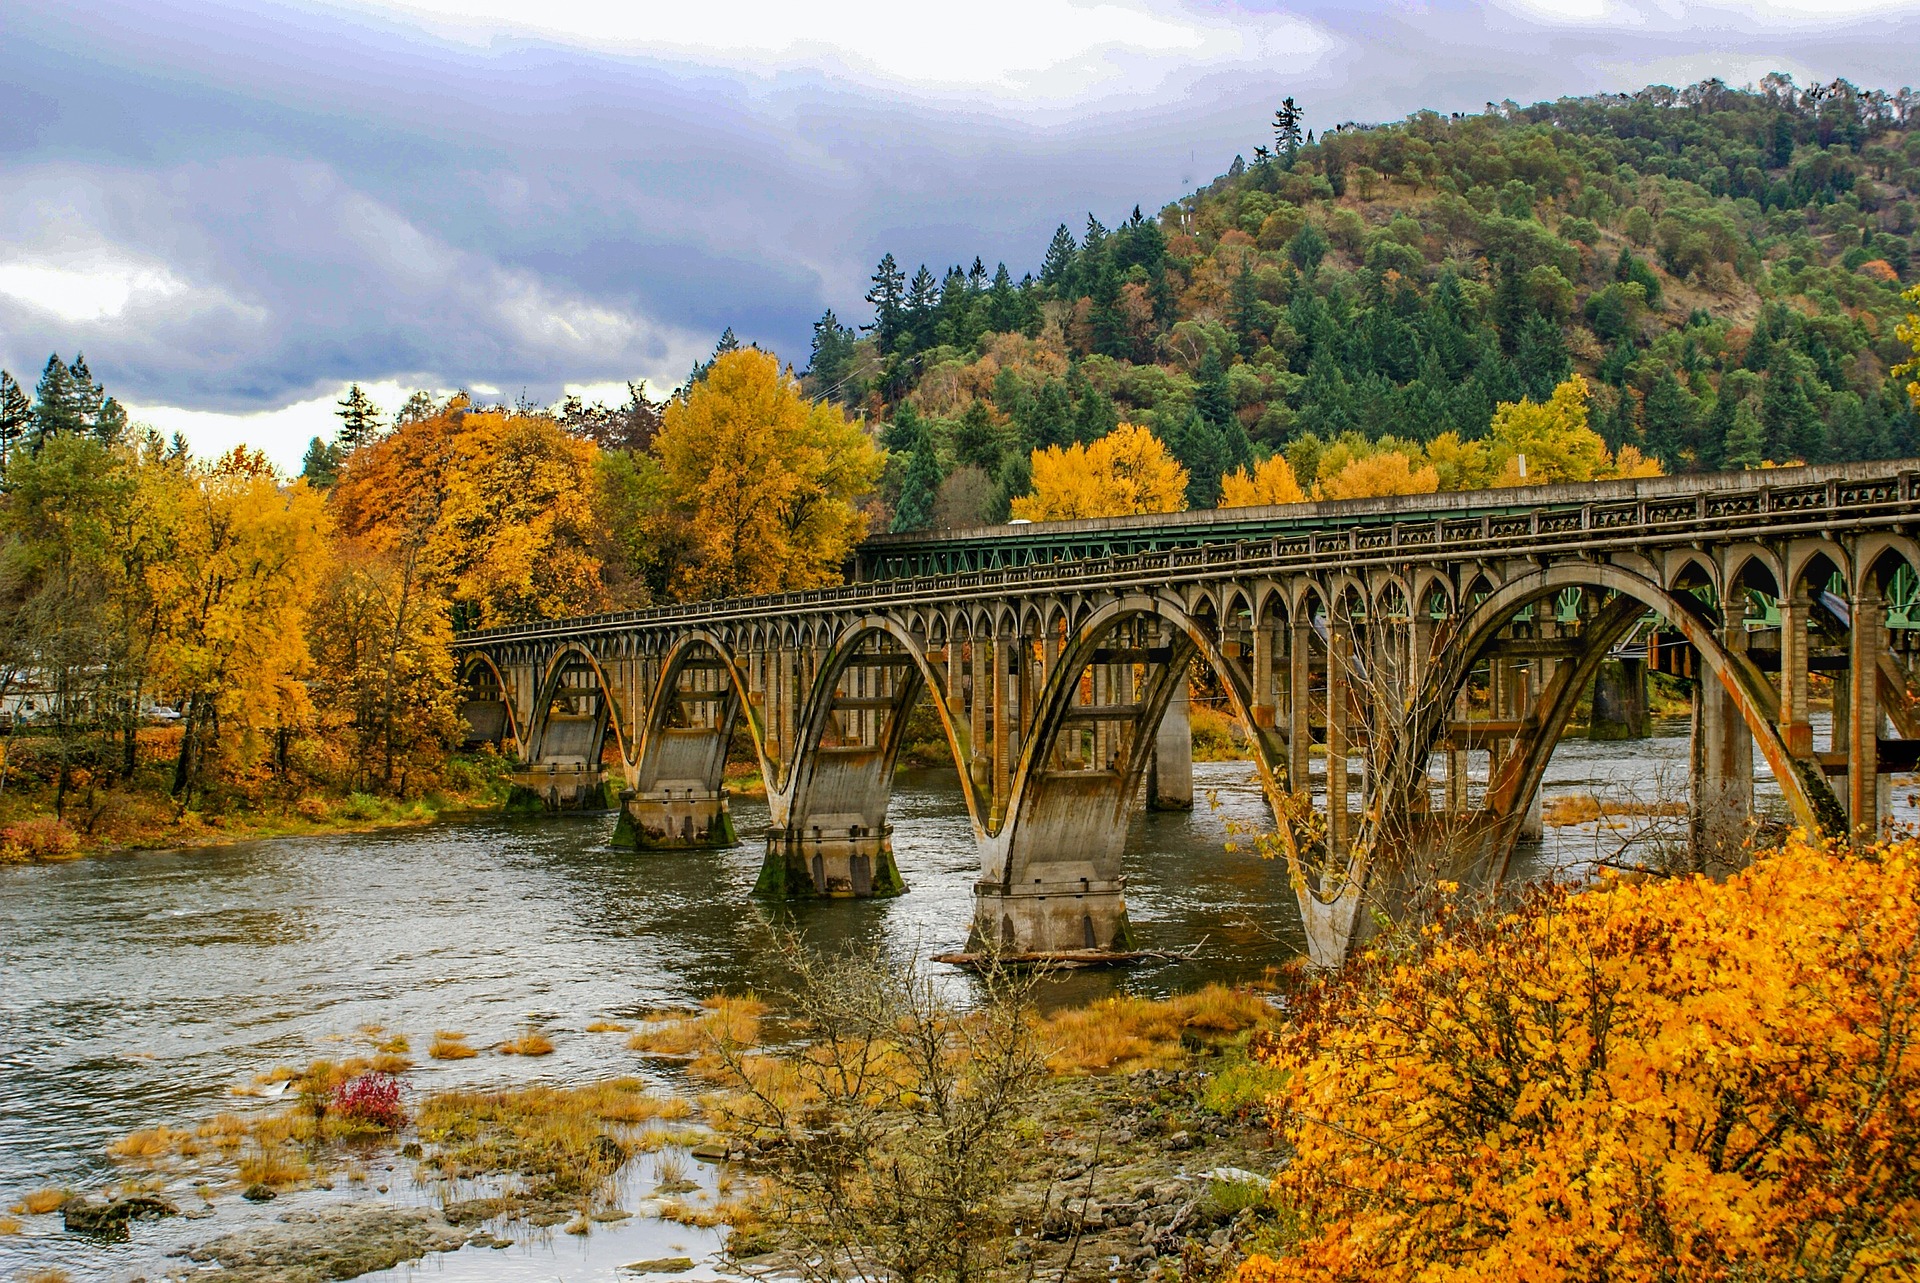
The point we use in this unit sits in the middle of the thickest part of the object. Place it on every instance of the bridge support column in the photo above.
(1053, 918)
(671, 819)
(1796, 731)
(1299, 706)
(1723, 776)
(1620, 701)
(836, 863)
(1862, 730)
(1170, 773)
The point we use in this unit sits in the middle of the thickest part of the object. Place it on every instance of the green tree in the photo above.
(1307, 248)
(16, 418)
(57, 405)
(976, 441)
(320, 467)
(921, 487)
(1792, 422)
(1671, 418)
(1286, 131)
(1056, 270)
(359, 420)
(889, 299)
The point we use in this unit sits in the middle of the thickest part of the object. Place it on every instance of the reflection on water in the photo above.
(139, 989)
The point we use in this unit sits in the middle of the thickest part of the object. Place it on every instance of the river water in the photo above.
(140, 989)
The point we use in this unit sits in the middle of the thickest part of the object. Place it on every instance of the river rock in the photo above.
(663, 1265)
(107, 1218)
(329, 1243)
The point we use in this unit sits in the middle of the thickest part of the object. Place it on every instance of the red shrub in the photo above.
(372, 1099)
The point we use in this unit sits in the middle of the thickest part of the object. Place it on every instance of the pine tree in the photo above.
(1108, 326)
(904, 430)
(1046, 419)
(889, 299)
(16, 417)
(1307, 248)
(976, 441)
(359, 420)
(920, 487)
(831, 357)
(1003, 305)
(1094, 414)
(1246, 310)
(1286, 131)
(1672, 417)
(321, 467)
(1746, 438)
(1793, 426)
(1056, 270)
(1201, 449)
(56, 404)
(922, 310)
(1541, 357)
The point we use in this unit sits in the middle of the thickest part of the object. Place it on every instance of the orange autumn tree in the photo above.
(1680, 1080)
(496, 512)
(1377, 476)
(762, 480)
(1271, 482)
(1128, 471)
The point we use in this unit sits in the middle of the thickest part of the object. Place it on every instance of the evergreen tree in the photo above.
(889, 299)
(1046, 419)
(1212, 397)
(1003, 304)
(923, 301)
(1056, 270)
(56, 404)
(1094, 414)
(1629, 268)
(921, 486)
(831, 361)
(1201, 449)
(976, 441)
(1307, 248)
(904, 431)
(1286, 131)
(321, 466)
(359, 419)
(1794, 429)
(1108, 326)
(16, 417)
(1245, 310)
(1541, 357)
(1746, 438)
(1672, 416)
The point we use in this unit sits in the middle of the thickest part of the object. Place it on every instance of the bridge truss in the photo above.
(1402, 669)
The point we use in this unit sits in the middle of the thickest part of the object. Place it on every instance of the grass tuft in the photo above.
(449, 1044)
(530, 1043)
(733, 1021)
(606, 1027)
(42, 1201)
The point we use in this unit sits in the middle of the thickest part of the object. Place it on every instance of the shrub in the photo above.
(44, 838)
(1670, 1080)
(370, 1100)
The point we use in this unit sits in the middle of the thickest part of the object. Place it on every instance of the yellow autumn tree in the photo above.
(764, 480)
(1678, 1080)
(1553, 439)
(1908, 332)
(233, 600)
(1271, 482)
(1128, 471)
(498, 510)
(1375, 476)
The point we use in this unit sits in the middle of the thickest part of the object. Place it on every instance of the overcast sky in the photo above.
(235, 208)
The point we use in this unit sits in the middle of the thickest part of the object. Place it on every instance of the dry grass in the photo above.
(1125, 1034)
(722, 1020)
(450, 1044)
(556, 1136)
(42, 1201)
(389, 1062)
(684, 1213)
(153, 1142)
(45, 1274)
(580, 1224)
(1584, 808)
(8, 1225)
(530, 1043)
(272, 1164)
(395, 1046)
(606, 1027)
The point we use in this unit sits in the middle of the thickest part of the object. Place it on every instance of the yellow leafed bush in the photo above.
(1675, 1080)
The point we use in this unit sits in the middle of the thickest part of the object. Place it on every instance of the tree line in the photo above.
(1723, 267)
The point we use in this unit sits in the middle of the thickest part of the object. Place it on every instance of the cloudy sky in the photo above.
(235, 208)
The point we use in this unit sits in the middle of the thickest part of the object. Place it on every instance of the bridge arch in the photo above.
(537, 748)
(477, 662)
(1757, 705)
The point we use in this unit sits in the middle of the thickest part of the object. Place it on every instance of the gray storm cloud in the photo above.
(232, 208)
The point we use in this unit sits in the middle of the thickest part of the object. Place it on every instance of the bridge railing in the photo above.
(1769, 501)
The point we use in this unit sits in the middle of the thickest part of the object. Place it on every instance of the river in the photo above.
(139, 989)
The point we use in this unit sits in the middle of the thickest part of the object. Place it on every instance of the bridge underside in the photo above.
(1401, 694)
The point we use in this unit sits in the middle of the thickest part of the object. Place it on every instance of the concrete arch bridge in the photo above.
(1403, 667)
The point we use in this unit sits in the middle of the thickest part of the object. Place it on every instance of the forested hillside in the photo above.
(1723, 266)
